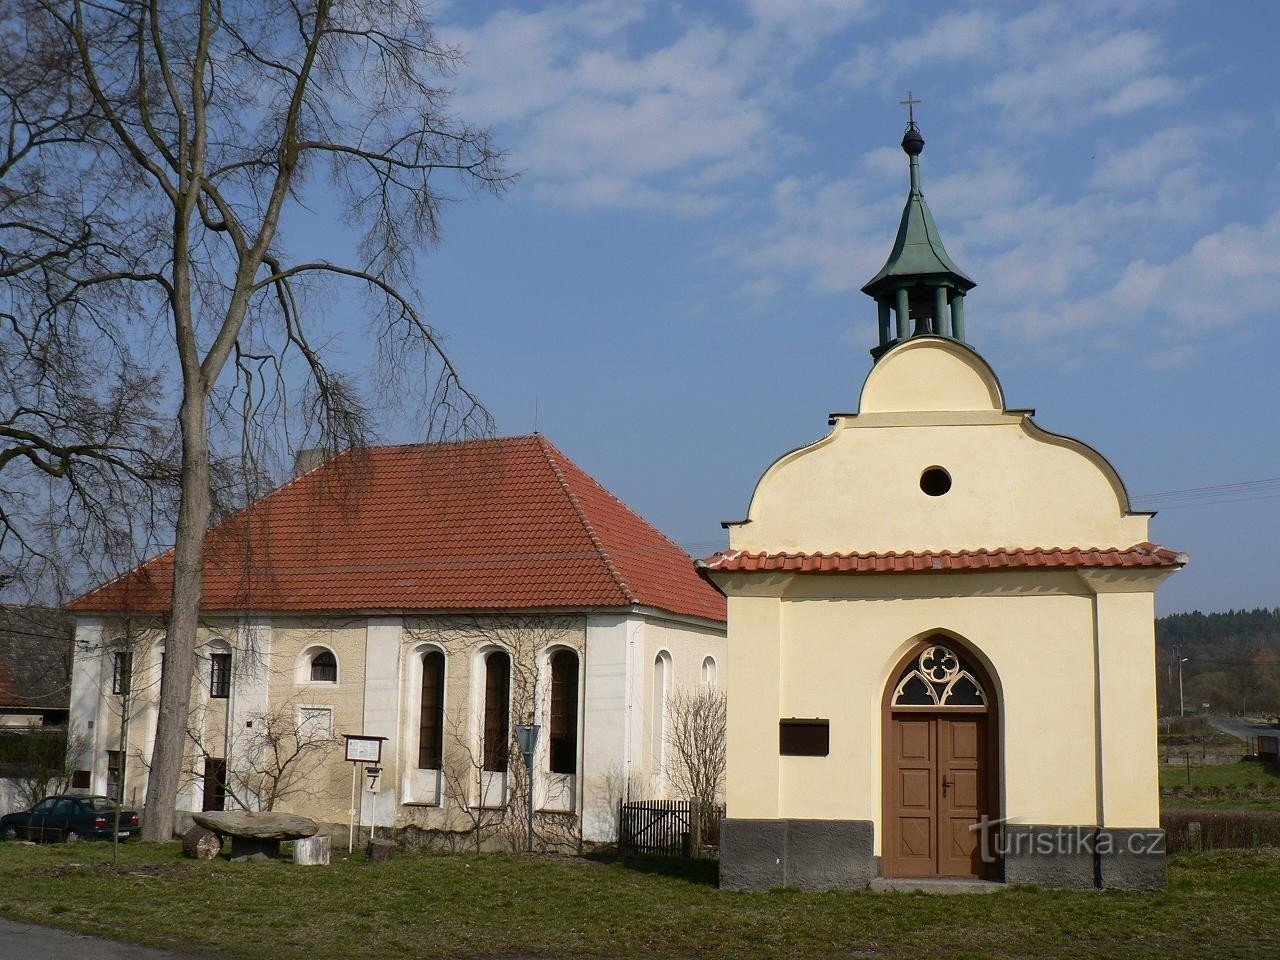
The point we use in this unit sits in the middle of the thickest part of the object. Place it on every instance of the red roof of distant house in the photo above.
(486, 524)
(930, 561)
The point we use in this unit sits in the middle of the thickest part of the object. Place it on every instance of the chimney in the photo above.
(308, 458)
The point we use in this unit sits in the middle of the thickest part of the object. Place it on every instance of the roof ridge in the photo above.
(462, 442)
(619, 501)
(548, 451)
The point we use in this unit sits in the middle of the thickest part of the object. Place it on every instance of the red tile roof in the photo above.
(487, 524)
(929, 561)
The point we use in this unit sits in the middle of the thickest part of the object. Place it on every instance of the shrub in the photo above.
(1220, 829)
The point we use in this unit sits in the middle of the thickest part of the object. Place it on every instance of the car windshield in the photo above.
(45, 805)
(101, 803)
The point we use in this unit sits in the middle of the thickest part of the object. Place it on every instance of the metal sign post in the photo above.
(527, 736)
(361, 750)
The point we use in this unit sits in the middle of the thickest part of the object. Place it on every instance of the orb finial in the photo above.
(912, 141)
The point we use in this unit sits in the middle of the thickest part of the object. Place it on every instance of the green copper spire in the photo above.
(919, 281)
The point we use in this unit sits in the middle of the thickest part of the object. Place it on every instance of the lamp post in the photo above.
(1182, 706)
(527, 736)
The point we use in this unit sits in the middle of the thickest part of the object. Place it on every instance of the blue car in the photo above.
(69, 818)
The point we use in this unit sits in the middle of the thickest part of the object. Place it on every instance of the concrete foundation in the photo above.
(1084, 857)
(1132, 859)
(804, 854)
(838, 855)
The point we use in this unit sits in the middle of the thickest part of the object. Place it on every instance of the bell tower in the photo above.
(919, 287)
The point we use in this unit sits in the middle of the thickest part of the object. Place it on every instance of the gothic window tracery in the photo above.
(939, 677)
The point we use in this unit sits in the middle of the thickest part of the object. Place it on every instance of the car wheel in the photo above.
(9, 833)
(71, 837)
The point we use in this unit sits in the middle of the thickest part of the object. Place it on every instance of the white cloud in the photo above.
(615, 105)
(1062, 62)
(953, 37)
(1105, 258)
(1088, 72)
(599, 117)
(808, 21)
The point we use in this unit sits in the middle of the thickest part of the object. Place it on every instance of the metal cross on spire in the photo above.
(910, 104)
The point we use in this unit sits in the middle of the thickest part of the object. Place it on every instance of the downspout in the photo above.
(581, 799)
(1100, 805)
(227, 724)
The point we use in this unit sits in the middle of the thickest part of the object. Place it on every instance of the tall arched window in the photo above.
(658, 709)
(431, 714)
(324, 667)
(497, 710)
(564, 712)
(709, 671)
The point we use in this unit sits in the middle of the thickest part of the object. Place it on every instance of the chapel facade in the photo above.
(942, 622)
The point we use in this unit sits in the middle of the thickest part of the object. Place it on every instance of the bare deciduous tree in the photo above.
(696, 733)
(275, 756)
(195, 134)
(82, 448)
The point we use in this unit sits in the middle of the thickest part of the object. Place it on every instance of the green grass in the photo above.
(1226, 786)
(1218, 905)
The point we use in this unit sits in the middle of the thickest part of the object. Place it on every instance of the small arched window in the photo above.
(324, 667)
(497, 710)
(709, 671)
(431, 714)
(564, 712)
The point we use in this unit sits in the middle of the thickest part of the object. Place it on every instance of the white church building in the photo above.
(434, 596)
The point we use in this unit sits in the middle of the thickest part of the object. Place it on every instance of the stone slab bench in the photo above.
(256, 834)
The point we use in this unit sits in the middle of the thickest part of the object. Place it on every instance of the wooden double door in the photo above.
(938, 784)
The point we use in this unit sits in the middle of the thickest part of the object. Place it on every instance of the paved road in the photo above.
(28, 941)
(1244, 729)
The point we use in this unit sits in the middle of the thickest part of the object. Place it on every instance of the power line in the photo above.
(1266, 488)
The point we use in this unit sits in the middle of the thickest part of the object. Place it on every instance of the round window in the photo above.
(935, 481)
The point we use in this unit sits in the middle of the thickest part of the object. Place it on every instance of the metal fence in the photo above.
(662, 827)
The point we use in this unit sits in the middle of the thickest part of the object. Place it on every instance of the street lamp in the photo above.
(1182, 707)
(527, 737)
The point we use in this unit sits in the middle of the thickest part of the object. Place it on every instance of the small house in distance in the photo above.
(432, 595)
(942, 621)
(35, 666)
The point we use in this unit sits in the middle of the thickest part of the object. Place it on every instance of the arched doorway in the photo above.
(941, 762)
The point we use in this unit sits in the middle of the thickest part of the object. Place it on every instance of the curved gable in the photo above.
(933, 403)
(931, 373)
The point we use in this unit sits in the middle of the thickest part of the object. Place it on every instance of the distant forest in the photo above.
(1233, 661)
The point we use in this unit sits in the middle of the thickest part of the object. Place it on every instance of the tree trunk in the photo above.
(180, 636)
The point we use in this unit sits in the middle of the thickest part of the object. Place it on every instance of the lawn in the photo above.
(1247, 785)
(1218, 905)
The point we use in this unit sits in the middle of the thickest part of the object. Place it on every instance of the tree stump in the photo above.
(380, 849)
(313, 851)
(201, 844)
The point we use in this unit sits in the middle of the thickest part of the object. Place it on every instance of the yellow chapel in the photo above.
(942, 624)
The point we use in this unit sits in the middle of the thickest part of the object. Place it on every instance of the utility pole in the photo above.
(1182, 706)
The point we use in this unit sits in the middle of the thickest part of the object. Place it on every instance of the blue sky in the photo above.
(673, 283)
